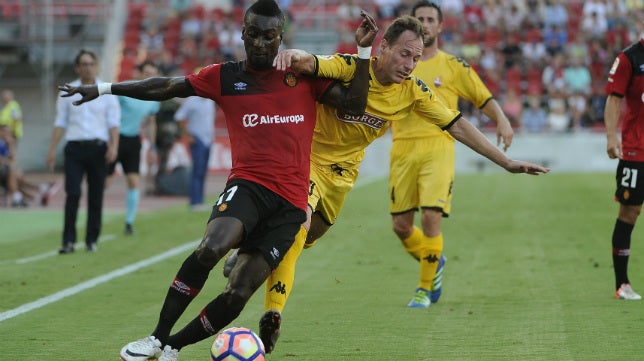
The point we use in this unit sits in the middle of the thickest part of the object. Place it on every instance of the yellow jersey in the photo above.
(341, 139)
(449, 77)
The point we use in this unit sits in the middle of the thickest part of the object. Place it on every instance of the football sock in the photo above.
(430, 255)
(414, 243)
(212, 318)
(280, 281)
(185, 287)
(621, 251)
(131, 204)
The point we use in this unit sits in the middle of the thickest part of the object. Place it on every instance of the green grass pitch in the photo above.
(529, 277)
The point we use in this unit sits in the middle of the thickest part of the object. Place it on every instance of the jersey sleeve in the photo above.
(430, 108)
(619, 76)
(469, 84)
(207, 83)
(338, 66)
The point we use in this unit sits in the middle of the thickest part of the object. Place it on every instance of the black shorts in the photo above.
(129, 154)
(270, 222)
(630, 183)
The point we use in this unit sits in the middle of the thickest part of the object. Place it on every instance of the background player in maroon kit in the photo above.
(626, 81)
(270, 116)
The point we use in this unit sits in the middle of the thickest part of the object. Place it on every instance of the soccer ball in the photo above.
(237, 344)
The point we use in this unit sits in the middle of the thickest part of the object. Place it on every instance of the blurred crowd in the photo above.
(546, 61)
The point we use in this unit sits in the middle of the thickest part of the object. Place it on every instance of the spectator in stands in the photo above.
(386, 8)
(512, 106)
(553, 74)
(152, 42)
(513, 18)
(577, 77)
(511, 50)
(578, 48)
(8, 174)
(594, 25)
(577, 107)
(91, 131)
(596, 7)
(558, 120)
(594, 117)
(533, 52)
(196, 118)
(232, 46)
(11, 114)
(157, 14)
(348, 12)
(492, 13)
(534, 118)
(167, 63)
(555, 38)
(555, 14)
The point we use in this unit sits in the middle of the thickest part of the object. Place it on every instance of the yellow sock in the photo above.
(280, 282)
(414, 243)
(430, 254)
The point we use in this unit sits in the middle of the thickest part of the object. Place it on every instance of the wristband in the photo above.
(104, 88)
(364, 52)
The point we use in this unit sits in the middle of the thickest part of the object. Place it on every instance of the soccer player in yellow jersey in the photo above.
(422, 157)
(339, 140)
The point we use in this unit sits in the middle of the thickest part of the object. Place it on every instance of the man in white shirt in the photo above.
(92, 133)
(196, 117)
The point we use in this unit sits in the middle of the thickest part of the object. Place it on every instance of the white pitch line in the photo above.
(95, 282)
(38, 257)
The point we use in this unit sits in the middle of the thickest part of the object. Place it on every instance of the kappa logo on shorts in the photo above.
(222, 207)
(275, 253)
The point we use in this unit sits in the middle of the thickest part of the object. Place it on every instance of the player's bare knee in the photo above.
(209, 255)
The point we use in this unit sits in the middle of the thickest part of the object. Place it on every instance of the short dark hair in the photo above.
(398, 26)
(266, 8)
(146, 63)
(83, 52)
(427, 3)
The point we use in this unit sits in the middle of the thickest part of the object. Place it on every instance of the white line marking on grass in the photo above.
(38, 257)
(95, 282)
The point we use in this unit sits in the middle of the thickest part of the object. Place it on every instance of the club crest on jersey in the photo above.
(437, 82)
(290, 79)
(222, 207)
(367, 119)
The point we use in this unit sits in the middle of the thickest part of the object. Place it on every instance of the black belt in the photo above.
(87, 142)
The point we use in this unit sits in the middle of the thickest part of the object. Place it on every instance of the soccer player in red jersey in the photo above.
(626, 81)
(270, 115)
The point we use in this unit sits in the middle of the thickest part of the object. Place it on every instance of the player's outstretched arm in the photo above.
(469, 135)
(157, 88)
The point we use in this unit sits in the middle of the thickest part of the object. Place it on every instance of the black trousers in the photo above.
(84, 158)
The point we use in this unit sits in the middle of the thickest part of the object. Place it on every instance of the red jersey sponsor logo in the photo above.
(367, 119)
(253, 120)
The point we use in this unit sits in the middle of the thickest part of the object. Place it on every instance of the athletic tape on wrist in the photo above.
(104, 88)
(364, 52)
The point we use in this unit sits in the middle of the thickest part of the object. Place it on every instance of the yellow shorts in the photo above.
(330, 185)
(421, 175)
